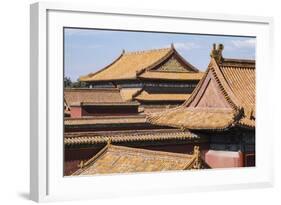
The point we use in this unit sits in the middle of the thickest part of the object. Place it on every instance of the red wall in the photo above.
(72, 158)
(224, 159)
(76, 111)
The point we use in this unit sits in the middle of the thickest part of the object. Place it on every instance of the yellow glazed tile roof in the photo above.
(242, 81)
(142, 64)
(127, 65)
(105, 120)
(74, 96)
(146, 95)
(127, 93)
(195, 118)
(119, 159)
(236, 82)
(126, 136)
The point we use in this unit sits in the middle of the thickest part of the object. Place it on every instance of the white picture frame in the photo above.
(46, 139)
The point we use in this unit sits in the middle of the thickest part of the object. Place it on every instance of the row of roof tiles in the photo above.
(127, 136)
(119, 159)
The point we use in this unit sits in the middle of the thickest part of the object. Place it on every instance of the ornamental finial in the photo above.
(216, 52)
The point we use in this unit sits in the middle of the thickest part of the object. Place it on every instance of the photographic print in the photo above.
(139, 101)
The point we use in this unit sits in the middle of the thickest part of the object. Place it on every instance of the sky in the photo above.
(89, 50)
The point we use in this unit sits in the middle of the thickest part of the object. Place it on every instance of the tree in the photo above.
(67, 82)
(77, 84)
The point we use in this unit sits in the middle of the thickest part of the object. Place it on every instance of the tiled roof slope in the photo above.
(235, 80)
(74, 96)
(131, 64)
(190, 118)
(144, 95)
(119, 159)
(241, 79)
(126, 136)
(127, 93)
(108, 120)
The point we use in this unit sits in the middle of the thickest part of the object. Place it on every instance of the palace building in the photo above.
(141, 113)
(97, 115)
(221, 108)
(157, 79)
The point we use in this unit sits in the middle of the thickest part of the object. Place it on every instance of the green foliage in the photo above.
(77, 84)
(67, 82)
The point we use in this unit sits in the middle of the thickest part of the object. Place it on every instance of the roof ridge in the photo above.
(197, 88)
(177, 131)
(146, 51)
(225, 91)
(105, 117)
(208, 109)
(96, 139)
(91, 89)
(166, 154)
(121, 132)
(84, 165)
(117, 133)
(238, 64)
(192, 67)
(214, 68)
(253, 61)
(161, 71)
(110, 102)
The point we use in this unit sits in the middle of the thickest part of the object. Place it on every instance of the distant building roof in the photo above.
(225, 97)
(76, 96)
(105, 120)
(145, 95)
(130, 65)
(157, 108)
(76, 138)
(119, 159)
(127, 93)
